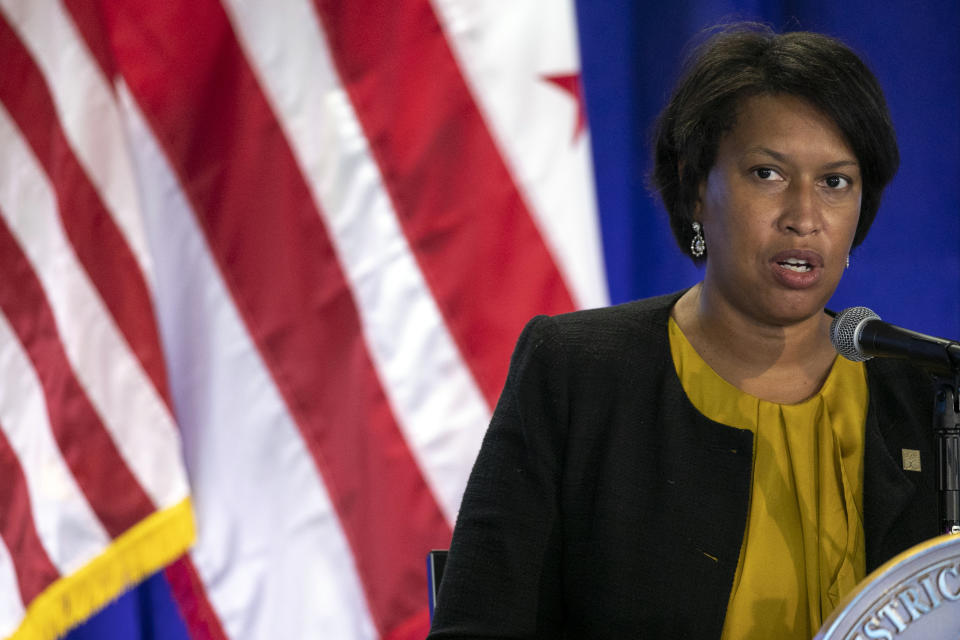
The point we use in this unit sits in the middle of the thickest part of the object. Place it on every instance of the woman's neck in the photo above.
(778, 363)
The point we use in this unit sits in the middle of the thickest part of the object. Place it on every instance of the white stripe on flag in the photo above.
(436, 402)
(86, 110)
(126, 400)
(11, 606)
(271, 552)
(70, 532)
(505, 50)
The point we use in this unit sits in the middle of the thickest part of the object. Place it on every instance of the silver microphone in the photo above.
(845, 332)
(858, 334)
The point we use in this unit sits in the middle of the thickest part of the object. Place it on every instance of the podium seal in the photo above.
(914, 595)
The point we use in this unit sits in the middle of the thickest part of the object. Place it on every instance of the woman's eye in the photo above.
(766, 173)
(837, 182)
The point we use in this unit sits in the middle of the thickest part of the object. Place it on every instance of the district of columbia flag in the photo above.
(262, 266)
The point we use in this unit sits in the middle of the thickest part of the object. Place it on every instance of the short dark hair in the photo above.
(747, 59)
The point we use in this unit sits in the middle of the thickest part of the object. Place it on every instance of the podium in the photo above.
(914, 595)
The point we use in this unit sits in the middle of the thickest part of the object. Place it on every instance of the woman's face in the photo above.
(779, 210)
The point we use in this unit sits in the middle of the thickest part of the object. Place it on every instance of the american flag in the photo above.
(262, 265)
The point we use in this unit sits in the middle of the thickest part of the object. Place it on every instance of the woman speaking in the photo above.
(703, 464)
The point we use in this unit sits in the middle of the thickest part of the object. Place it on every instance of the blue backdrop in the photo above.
(908, 270)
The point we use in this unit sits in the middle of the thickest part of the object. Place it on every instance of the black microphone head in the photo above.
(845, 332)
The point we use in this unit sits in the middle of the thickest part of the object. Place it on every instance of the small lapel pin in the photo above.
(911, 459)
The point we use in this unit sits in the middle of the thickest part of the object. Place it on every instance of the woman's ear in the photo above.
(701, 190)
(701, 193)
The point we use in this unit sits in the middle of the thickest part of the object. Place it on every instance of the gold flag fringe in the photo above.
(143, 549)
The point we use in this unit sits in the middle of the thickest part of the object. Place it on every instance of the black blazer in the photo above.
(604, 505)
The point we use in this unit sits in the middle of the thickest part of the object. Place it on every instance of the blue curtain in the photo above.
(908, 270)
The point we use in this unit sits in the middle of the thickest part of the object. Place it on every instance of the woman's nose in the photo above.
(801, 212)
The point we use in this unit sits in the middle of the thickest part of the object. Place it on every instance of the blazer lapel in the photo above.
(900, 506)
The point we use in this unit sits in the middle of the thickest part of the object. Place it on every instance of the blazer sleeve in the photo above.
(503, 575)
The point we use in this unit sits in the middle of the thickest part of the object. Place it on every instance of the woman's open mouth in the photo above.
(795, 264)
(797, 268)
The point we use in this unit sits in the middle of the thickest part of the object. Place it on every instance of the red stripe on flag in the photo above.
(416, 627)
(461, 211)
(186, 70)
(35, 572)
(97, 241)
(89, 20)
(111, 489)
(188, 590)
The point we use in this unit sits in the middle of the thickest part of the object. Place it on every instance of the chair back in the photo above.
(436, 559)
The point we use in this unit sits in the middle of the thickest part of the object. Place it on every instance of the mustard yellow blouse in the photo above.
(804, 544)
